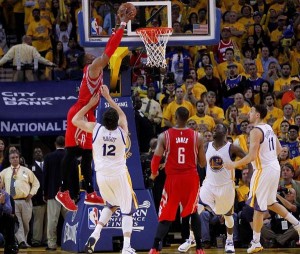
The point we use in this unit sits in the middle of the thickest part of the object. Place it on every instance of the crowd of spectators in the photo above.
(257, 61)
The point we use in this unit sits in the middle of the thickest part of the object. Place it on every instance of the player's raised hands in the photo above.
(105, 91)
(126, 12)
(94, 100)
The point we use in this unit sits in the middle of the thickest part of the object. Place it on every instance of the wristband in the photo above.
(155, 164)
(123, 24)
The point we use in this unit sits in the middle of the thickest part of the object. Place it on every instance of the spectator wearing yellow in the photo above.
(45, 12)
(223, 67)
(274, 113)
(237, 29)
(284, 129)
(169, 114)
(277, 34)
(205, 122)
(296, 102)
(243, 109)
(212, 110)
(265, 88)
(205, 60)
(283, 84)
(192, 89)
(288, 111)
(40, 32)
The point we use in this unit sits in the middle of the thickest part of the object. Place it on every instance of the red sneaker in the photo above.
(93, 199)
(66, 201)
(200, 251)
(153, 251)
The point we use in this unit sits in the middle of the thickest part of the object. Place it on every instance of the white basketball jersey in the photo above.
(216, 174)
(267, 153)
(109, 150)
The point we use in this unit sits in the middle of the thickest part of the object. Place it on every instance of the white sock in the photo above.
(291, 219)
(127, 228)
(97, 231)
(104, 218)
(229, 237)
(126, 243)
(256, 237)
(192, 237)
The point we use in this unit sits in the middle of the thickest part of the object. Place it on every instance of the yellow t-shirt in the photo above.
(197, 90)
(276, 125)
(169, 113)
(222, 68)
(296, 106)
(38, 29)
(205, 123)
(215, 111)
(273, 115)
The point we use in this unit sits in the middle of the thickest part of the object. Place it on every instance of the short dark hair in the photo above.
(110, 119)
(60, 141)
(182, 114)
(262, 110)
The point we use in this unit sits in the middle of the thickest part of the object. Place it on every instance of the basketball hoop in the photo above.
(155, 40)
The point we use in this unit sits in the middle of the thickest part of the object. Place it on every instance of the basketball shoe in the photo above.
(93, 199)
(229, 247)
(66, 201)
(187, 245)
(153, 251)
(255, 247)
(90, 245)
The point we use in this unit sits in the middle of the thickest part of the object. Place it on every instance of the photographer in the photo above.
(7, 222)
(287, 175)
(278, 230)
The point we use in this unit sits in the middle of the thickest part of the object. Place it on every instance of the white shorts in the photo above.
(263, 188)
(219, 198)
(117, 191)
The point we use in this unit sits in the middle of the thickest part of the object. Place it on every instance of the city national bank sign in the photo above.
(35, 108)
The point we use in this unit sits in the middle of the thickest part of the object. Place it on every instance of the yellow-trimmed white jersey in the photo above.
(267, 153)
(109, 150)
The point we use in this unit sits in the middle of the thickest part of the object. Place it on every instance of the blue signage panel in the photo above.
(79, 226)
(35, 108)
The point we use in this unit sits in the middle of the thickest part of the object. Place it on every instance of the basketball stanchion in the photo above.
(155, 40)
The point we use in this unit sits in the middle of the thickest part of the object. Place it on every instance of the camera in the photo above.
(286, 42)
(282, 191)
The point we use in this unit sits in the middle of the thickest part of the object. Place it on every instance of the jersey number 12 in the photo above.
(109, 150)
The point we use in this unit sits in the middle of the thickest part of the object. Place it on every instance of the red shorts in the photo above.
(179, 189)
(76, 136)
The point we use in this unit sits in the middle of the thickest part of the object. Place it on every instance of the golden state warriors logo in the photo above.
(128, 146)
(216, 163)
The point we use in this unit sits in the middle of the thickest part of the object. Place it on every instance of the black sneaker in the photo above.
(90, 245)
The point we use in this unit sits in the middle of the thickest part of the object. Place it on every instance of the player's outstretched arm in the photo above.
(113, 43)
(122, 117)
(255, 139)
(79, 119)
(201, 152)
(158, 153)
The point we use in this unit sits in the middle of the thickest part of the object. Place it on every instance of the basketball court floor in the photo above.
(170, 250)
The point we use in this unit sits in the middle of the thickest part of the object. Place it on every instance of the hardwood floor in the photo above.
(170, 250)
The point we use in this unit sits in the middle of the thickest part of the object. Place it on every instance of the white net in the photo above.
(155, 40)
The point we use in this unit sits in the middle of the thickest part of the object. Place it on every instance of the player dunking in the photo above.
(183, 147)
(218, 189)
(109, 145)
(263, 151)
(79, 142)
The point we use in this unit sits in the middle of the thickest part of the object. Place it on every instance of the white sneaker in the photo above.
(229, 247)
(187, 245)
(255, 247)
(128, 250)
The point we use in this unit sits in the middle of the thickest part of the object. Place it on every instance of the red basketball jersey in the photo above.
(222, 46)
(181, 151)
(88, 86)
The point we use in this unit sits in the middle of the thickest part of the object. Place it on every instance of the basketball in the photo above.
(127, 8)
